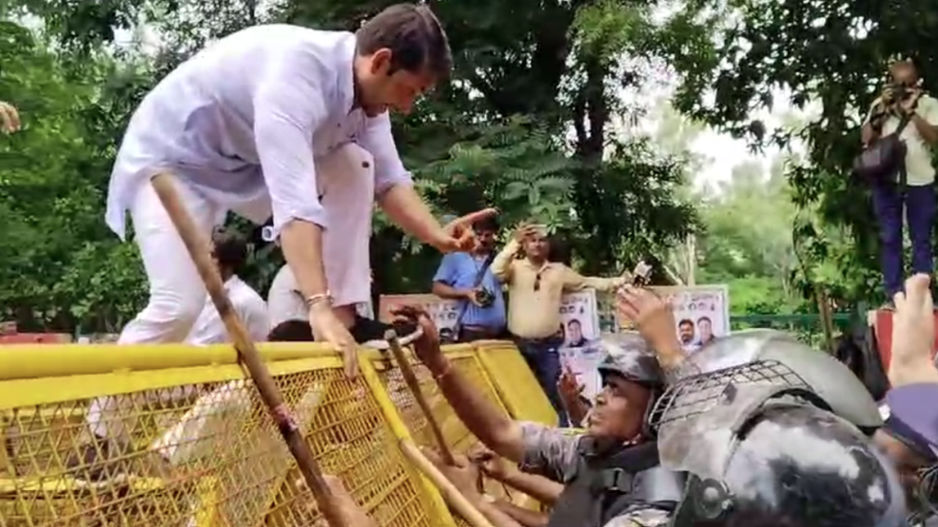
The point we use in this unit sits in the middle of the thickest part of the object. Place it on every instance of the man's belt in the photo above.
(541, 340)
(482, 330)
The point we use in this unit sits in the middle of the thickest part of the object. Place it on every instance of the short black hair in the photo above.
(486, 224)
(413, 34)
(229, 248)
(291, 331)
(686, 322)
(578, 323)
(701, 319)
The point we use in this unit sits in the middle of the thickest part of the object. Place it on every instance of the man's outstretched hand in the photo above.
(458, 235)
(427, 346)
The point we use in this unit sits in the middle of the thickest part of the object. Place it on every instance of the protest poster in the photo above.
(445, 313)
(579, 319)
(580, 327)
(701, 313)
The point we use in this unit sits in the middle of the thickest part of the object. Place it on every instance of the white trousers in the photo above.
(346, 185)
(248, 461)
(345, 180)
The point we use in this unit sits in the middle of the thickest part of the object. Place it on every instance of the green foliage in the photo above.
(501, 132)
(747, 242)
(56, 258)
(514, 166)
(758, 295)
(748, 228)
(831, 53)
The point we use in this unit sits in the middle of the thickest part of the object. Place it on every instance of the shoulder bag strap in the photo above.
(480, 275)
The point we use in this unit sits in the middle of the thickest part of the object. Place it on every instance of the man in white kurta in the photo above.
(290, 122)
(209, 328)
(230, 253)
(287, 122)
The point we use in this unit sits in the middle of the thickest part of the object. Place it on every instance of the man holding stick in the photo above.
(263, 122)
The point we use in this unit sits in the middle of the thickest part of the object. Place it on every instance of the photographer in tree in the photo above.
(898, 135)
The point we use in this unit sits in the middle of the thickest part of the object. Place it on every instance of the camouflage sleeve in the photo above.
(549, 452)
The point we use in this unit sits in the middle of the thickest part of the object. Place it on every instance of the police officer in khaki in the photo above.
(609, 472)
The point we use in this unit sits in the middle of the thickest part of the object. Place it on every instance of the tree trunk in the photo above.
(591, 111)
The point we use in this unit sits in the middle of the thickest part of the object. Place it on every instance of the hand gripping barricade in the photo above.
(769, 430)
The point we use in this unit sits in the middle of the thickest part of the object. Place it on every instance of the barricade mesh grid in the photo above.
(201, 455)
(457, 436)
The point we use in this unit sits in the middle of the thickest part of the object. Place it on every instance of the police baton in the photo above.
(200, 251)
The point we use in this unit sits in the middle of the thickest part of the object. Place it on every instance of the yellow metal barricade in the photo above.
(515, 383)
(464, 360)
(189, 442)
(186, 441)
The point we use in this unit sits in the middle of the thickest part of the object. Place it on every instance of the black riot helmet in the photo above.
(758, 442)
(628, 356)
(823, 375)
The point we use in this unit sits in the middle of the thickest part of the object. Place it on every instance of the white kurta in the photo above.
(285, 302)
(244, 121)
(261, 122)
(209, 327)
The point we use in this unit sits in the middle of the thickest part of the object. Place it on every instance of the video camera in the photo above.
(897, 92)
(485, 297)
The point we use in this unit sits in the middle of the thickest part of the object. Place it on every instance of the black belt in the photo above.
(543, 340)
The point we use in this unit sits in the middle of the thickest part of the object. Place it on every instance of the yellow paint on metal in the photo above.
(190, 443)
(516, 385)
(46, 360)
(399, 429)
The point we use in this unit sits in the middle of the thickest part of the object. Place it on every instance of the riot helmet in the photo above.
(829, 379)
(628, 356)
(756, 439)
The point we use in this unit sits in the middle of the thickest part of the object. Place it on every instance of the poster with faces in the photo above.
(581, 351)
(445, 313)
(701, 313)
(579, 319)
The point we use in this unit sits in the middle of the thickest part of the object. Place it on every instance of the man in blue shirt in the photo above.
(481, 317)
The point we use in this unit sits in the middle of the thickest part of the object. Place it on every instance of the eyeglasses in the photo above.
(537, 281)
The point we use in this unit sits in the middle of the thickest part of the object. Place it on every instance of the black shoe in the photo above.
(370, 332)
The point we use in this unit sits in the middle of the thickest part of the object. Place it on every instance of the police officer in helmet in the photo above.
(607, 472)
(770, 432)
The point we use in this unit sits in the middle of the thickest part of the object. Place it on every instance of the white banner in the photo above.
(701, 313)
(580, 352)
(445, 313)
